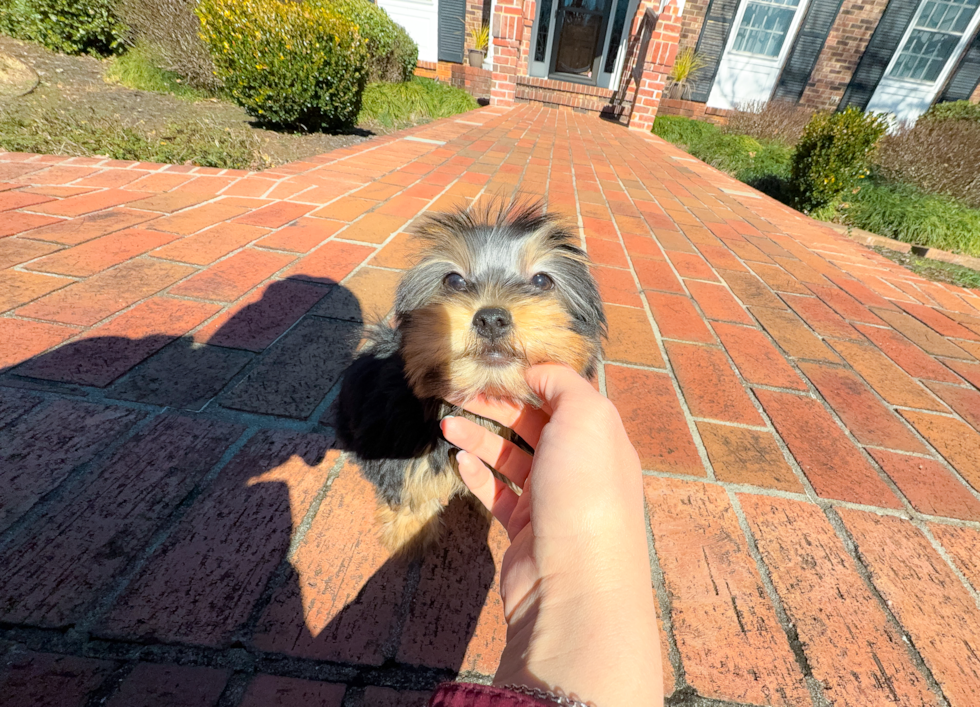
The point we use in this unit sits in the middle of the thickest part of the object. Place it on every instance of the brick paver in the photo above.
(176, 529)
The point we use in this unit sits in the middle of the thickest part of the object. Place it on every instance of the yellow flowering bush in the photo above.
(288, 64)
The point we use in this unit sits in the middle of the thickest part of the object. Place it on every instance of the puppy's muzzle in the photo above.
(492, 323)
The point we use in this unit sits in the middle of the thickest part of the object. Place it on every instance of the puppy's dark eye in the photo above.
(454, 281)
(542, 281)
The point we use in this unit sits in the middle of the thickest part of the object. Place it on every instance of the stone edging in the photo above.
(868, 238)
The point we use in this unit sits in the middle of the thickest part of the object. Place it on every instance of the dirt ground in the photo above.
(77, 83)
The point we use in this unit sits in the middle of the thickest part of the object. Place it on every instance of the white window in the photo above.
(764, 27)
(935, 33)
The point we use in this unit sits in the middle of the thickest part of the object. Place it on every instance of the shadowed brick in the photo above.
(49, 680)
(15, 403)
(926, 597)
(830, 607)
(744, 456)
(933, 343)
(654, 420)
(793, 335)
(43, 447)
(202, 583)
(108, 351)
(717, 302)
(729, 638)
(207, 246)
(21, 339)
(961, 544)
(756, 359)
(631, 337)
(298, 372)
(458, 598)
(303, 236)
(89, 301)
(101, 253)
(182, 375)
(347, 607)
(862, 413)
(234, 276)
(152, 685)
(709, 384)
(831, 462)
(890, 381)
(387, 697)
(677, 318)
(956, 441)
(256, 321)
(916, 362)
(928, 486)
(276, 691)
(88, 538)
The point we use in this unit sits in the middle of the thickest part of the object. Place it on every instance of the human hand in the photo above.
(575, 581)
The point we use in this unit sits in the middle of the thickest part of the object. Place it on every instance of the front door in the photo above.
(933, 42)
(580, 33)
(755, 52)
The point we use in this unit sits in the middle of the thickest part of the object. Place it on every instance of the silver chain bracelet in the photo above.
(559, 699)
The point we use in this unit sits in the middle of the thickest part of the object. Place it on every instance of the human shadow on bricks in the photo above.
(216, 516)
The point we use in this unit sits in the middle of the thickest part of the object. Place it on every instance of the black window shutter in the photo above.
(806, 49)
(452, 15)
(966, 78)
(874, 61)
(711, 44)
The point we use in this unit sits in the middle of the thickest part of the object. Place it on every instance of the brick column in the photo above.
(975, 96)
(658, 61)
(507, 28)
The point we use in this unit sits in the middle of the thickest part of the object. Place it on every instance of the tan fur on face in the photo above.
(442, 350)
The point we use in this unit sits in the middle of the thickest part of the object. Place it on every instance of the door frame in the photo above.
(596, 60)
(542, 69)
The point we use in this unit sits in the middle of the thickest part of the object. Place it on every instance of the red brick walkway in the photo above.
(175, 529)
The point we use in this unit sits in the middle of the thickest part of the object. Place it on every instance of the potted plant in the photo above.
(481, 40)
(686, 65)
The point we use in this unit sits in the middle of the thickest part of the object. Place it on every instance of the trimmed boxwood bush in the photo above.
(833, 154)
(69, 26)
(393, 54)
(288, 64)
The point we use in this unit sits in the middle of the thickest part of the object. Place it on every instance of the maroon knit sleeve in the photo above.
(457, 694)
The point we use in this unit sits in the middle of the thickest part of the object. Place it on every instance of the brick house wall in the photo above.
(477, 12)
(694, 12)
(845, 44)
(975, 97)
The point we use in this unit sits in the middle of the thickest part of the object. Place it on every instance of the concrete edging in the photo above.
(868, 238)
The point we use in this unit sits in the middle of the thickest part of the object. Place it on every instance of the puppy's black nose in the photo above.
(492, 322)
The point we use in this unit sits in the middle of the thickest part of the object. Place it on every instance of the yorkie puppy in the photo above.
(496, 291)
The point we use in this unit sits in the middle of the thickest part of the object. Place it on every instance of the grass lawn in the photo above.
(886, 208)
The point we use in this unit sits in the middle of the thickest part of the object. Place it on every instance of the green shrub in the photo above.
(396, 104)
(745, 158)
(954, 110)
(288, 64)
(195, 142)
(393, 54)
(833, 154)
(69, 26)
(907, 214)
(773, 120)
(172, 29)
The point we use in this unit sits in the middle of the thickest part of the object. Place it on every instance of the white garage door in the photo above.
(421, 19)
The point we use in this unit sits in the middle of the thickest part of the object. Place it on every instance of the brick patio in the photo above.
(175, 528)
